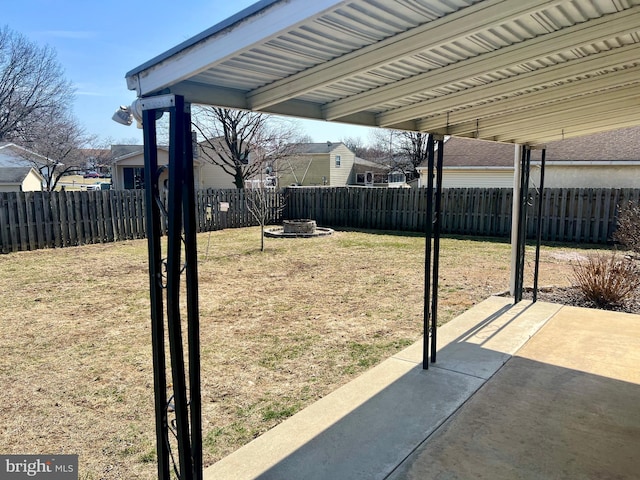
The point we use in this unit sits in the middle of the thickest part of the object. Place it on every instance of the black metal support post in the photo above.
(154, 231)
(539, 227)
(525, 166)
(427, 254)
(432, 249)
(166, 280)
(437, 224)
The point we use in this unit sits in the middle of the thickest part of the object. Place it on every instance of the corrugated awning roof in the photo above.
(506, 70)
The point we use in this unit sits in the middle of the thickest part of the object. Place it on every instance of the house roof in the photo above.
(138, 152)
(15, 175)
(618, 146)
(118, 151)
(316, 148)
(362, 165)
(470, 152)
(530, 71)
(12, 155)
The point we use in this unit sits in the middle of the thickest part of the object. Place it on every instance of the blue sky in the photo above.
(98, 41)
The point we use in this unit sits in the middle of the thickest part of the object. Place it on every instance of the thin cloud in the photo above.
(87, 93)
(89, 89)
(71, 34)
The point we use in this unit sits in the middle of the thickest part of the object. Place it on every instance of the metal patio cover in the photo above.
(521, 71)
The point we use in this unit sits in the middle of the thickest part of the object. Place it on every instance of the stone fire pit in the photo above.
(299, 228)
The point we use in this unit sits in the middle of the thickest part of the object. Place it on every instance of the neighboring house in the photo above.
(12, 155)
(127, 169)
(315, 164)
(474, 163)
(212, 175)
(601, 160)
(97, 160)
(20, 179)
(370, 173)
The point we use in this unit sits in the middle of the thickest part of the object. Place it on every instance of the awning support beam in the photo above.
(521, 238)
(165, 276)
(539, 226)
(432, 246)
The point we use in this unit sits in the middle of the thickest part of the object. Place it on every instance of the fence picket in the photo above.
(5, 244)
(60, 219)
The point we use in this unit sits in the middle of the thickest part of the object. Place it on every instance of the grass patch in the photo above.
(279, 330)
(366, 355)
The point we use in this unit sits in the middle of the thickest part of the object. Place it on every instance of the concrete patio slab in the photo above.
(565, 407)
(365, 429)
(482, 339)
(347, 434)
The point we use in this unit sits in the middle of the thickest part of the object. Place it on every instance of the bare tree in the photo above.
(413, 146)
(246, 145)
(356, 145)
(58, 143)
(263, 205)
(405, 151)
(32, 86)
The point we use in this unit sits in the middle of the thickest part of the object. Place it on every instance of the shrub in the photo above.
(607, 281)
(628, 230)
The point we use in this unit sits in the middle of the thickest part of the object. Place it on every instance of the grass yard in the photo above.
(279, 330)
(78, 182)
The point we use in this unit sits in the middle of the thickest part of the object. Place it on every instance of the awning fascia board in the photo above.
(202, 51)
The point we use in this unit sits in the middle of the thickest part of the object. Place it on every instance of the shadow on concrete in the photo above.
(532, 420)
(537, 421)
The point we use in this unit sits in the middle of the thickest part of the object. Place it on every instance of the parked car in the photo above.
(91, 175)
(96, 186)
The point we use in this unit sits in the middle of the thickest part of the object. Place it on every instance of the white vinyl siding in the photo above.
(477, 178)
(340, 175)
(588, 176)
(32, 183)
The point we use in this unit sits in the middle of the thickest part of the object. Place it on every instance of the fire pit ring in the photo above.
(303, 225)
(298, 228)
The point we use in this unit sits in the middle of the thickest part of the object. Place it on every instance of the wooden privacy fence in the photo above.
(33, 220)
(585, 215)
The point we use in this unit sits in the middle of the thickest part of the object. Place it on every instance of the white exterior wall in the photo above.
(32, 183)
(472, 178)
(477, 178)
(556, 176)
(339, 176)
(213, 176)
(587, 176)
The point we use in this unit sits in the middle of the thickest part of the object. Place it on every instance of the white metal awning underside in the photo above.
(522, 71)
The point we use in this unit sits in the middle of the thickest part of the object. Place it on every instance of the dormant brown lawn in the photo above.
(279, 329)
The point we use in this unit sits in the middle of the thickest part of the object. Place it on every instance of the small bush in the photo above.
(607, 281)
(628, 230)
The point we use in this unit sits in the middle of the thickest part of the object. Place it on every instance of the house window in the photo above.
(338, 159)
(133, 178)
